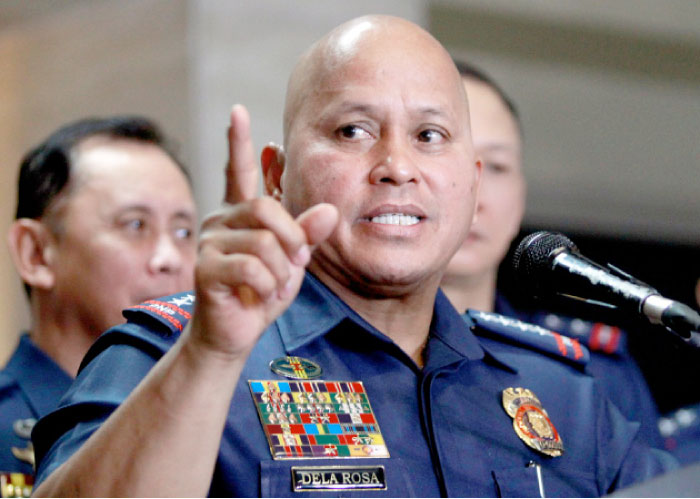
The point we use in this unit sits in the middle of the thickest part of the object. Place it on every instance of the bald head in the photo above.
(326, 63)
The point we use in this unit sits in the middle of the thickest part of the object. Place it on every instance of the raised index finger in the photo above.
(242, 173)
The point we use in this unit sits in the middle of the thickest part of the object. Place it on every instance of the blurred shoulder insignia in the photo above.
(597, 336)
(317, 419)
(531, 421)
(529, 335)
(296, 368)
(16, 484)
(173, 311)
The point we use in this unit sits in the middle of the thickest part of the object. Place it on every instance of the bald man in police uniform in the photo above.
(320, 303)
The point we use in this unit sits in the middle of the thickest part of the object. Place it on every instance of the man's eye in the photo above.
(135, 224)
(353, 132)
(431, 136)
(495, 167)
(183, 233)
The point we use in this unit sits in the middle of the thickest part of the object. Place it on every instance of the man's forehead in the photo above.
(376, 54)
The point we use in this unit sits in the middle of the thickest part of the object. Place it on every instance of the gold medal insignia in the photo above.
(531, 422)
(16, 485)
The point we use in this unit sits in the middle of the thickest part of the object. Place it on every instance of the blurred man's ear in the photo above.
(272, 161)
(697, 292)
(478, 165)
(32, 249)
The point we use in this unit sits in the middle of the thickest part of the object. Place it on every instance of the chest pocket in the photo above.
(276, 478)
(524, 482)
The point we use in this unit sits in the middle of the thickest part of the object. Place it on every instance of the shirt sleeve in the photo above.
(98, 390)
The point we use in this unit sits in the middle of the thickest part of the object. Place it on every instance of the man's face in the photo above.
(124, 231)
(384, 136)
(501, 203)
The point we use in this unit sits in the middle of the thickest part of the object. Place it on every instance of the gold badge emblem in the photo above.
(531, 422)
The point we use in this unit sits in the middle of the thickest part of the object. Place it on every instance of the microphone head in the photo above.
(533, 257)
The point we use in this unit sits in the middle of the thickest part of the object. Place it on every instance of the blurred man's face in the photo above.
(384, 136)
(501, 201)
(124, 231)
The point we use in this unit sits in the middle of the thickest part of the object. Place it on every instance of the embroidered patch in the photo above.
(309, 478)
(317, 419)
(531, 422)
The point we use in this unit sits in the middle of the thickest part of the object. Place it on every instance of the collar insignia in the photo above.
(531, 421)
(296, 368)
(23, 427)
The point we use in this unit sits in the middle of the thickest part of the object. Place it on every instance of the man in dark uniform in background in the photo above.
(317, 353)
(471, 278)
(104, 220)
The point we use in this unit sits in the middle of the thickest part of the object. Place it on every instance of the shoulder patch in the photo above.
(597, 336)
(530, 336)
(172, 311)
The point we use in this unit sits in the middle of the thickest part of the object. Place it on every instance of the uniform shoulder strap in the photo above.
(537, 338)
(170, 313)
(597, 336)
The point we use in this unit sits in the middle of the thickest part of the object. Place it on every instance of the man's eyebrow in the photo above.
(189, 215)
(354, 106)
(142, 208)
(499, 147)
(432, 111)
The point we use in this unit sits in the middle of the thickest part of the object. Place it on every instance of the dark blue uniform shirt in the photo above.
(444, 426)
(611, 363)
(30, 387)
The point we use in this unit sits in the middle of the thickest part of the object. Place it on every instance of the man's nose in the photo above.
(166, 256)
(394, 164)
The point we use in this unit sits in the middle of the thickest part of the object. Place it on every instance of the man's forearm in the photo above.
(164, 439)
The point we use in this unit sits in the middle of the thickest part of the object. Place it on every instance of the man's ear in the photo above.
(32, 249)
(272, 160)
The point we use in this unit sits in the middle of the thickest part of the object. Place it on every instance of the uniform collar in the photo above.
(317, 310)
(503, 306)
(451, 330)
(314, 312)
(40, 378)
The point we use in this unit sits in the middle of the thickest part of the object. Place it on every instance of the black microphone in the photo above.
(548, 263)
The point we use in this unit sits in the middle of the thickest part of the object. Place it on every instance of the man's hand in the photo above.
(252, 254)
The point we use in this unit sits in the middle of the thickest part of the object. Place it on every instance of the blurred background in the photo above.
(609, 94)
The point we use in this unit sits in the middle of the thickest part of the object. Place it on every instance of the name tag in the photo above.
(309, 478)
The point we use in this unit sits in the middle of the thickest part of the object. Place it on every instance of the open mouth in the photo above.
(395, 219)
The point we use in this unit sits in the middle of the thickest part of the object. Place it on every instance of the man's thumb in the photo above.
(318, 222)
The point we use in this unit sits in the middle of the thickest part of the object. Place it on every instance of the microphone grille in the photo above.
(532, 257)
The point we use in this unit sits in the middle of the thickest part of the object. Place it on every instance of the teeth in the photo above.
(395, 219)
